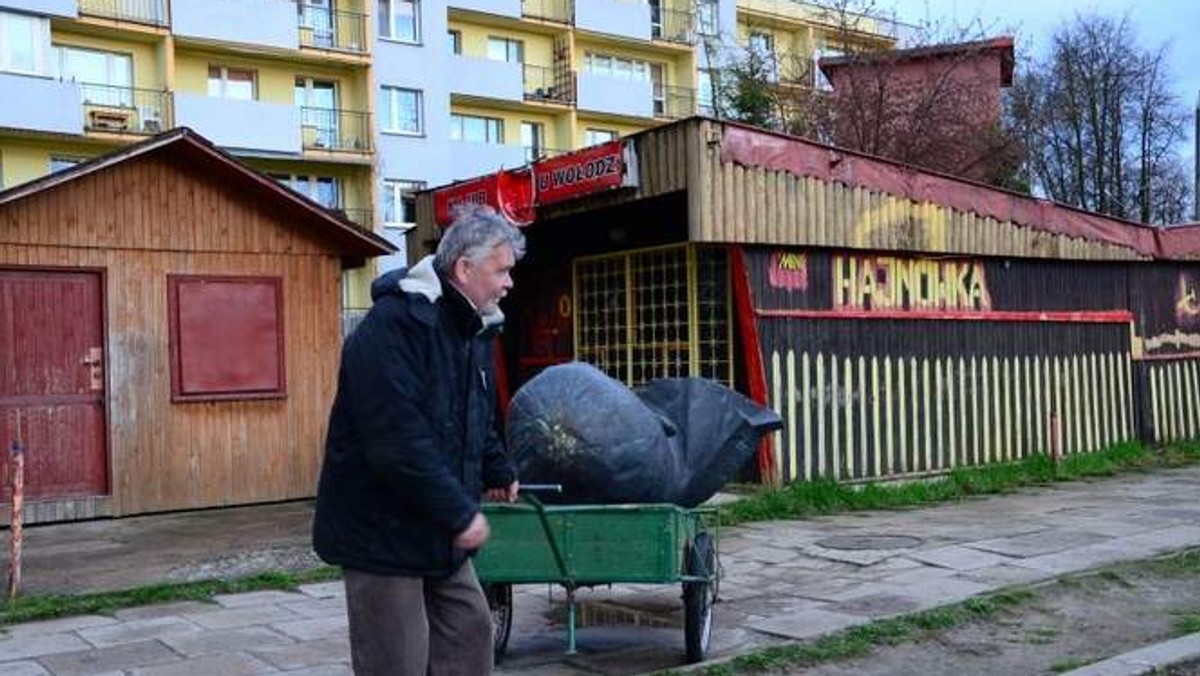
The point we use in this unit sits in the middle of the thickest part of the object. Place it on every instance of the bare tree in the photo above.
(1102, 126)
(927, 105)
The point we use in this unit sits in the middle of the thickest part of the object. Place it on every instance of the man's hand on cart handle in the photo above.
(505, 494)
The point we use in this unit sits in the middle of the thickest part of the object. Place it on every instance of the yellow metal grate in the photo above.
(655, 313)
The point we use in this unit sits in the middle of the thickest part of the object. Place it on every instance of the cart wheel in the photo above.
(701, 561)
(500, 601)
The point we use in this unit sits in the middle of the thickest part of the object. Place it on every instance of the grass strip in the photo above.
(50, 606)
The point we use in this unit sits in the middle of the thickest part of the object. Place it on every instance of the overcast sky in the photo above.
(1032, 22)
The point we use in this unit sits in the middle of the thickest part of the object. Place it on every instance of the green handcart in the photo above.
(588, 545)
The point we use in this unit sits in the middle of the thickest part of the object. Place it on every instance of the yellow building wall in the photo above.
(586, 123)
(276, 80)
(25, 161)
(512, 120)
(539, 49)
(147, 73)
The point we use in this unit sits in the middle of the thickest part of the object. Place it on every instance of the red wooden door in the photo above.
(52, 381)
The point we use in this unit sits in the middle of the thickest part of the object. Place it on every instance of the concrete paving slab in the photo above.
(317, 628)
(115, 658)
(957, 557)
(245, 616)
(63, 624)
(219, 641)
(22, 668)
(1040, 543)
(257, 598)
(137, 630)
(21, 647)
(805, 624)
(166, 610)
(306, 654)
(324, 590)
(213, 665)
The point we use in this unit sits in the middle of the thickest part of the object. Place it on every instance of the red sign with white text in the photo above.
(510, 193)
(582, 172)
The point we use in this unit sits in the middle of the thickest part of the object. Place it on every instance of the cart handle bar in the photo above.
(546, 488)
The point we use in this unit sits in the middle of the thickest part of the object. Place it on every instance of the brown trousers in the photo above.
(412, 626)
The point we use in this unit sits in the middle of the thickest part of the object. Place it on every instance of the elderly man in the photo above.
(412, 448)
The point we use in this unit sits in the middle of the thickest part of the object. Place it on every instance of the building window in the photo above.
(400, 20)
(533, 139)
(455, 42)
(762, 44)
(400, 202)
(62, 163)
(504, 49)
(819, 79)
(708, 17)
(106, 78)
(476, 129)
(324, 190)
(227, 338)
(593, 136)
(400, 111)
(232, 83)
(24, 44)
(615, 66)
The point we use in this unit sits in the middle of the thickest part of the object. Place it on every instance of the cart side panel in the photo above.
(599, 544)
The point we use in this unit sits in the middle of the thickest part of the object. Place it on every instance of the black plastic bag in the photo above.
(675, 440)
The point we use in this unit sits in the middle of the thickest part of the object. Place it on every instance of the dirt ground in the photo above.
(1067, 624)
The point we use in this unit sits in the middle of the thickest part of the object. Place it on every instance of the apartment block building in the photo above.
(359, 104)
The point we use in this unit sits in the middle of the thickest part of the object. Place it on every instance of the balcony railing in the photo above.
(558, 11)
(363, 218)
(324, 28)
(333, 129)
(542, 83)
(152, 12)
(671, 25)
(535, 153)
(125, 110)
(674, 102)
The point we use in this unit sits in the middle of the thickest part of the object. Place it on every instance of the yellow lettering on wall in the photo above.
(892, 283)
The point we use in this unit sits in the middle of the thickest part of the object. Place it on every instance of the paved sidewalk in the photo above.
(783, 580)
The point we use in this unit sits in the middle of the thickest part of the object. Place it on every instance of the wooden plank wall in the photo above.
(732, 203)
(1174, 399)
(857, 417)
(139, 222)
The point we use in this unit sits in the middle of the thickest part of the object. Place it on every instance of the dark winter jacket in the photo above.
(412, 442)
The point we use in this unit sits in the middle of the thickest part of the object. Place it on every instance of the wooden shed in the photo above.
(903, 323)
(169, 332)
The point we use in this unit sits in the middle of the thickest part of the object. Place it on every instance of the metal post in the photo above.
(571, 620)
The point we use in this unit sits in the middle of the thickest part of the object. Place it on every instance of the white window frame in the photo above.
(113, 88)
(514, 50)
(393, 125)
(493, 129)
(387, 29)
(223, 92)
(400, 191)
(306, 184)
(708, 17)
(619, 67)
(455, 37)
(40, 35)
(595, 136)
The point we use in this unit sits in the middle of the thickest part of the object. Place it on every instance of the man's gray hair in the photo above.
(474, 233)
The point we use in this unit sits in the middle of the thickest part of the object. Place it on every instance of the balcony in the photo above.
(614, 17)
(334, 30)
(254, 126)
(125, 110)
(46, 105)
(669, 25)
(618, 96)
(535, 153)
(486, 78)
(150, 12)
(270, 23)
(471, 158)
(558, 11)
(672, 103)
(364, 218)
(64, 8)
(544, 84)
(508, 8)
(335, 130)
